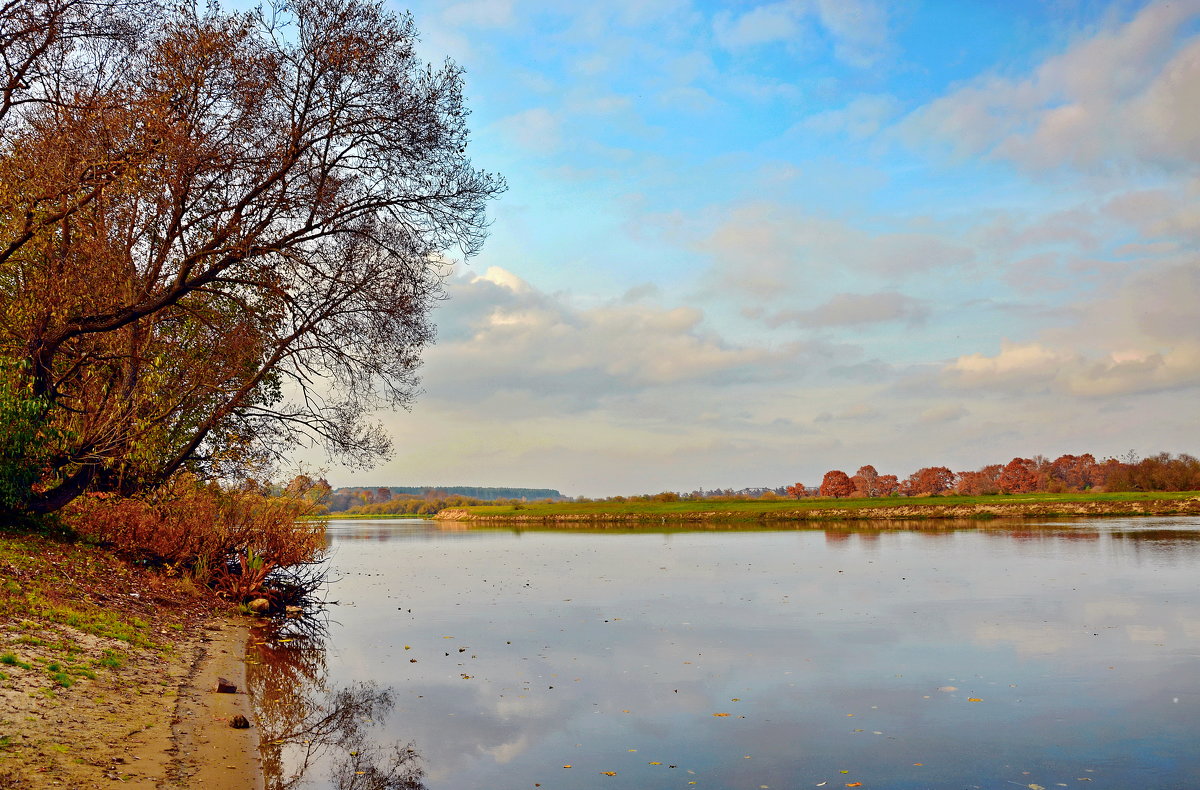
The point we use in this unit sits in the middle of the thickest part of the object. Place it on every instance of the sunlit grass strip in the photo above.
(766, 507)
(37, 597)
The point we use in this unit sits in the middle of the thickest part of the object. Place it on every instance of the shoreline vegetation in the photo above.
(775, 511)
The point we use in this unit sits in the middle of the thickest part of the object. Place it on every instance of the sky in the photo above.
(747, 243)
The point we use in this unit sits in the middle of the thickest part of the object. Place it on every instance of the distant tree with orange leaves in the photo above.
(929, 481)
(1019, 476)
(866, 482)
(836, 484)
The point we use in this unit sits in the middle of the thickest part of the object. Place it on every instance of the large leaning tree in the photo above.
(220, 234)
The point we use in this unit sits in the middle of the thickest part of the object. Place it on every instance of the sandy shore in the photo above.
(157, 723)
(207, 751)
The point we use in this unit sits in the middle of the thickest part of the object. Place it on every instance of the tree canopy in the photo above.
(220, 235)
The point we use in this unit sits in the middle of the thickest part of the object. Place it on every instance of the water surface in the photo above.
(1053, 654)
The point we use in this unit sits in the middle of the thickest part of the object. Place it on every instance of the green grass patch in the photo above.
(764, 508)
(9, 659)
(47, 570)
(112, 660)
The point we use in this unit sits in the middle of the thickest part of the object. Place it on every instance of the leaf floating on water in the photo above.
(720, 715)
(566, 766)
(656, 763)
(822, 784)
(609, 773)
(854, 784)
(974, 699)
(1035, 787)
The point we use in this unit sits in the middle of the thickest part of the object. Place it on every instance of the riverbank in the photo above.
(108, 674)
(571, 514)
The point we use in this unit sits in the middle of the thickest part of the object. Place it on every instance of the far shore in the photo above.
(777, 511)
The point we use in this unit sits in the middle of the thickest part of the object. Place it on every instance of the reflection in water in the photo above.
(949, 654)
(307, 727)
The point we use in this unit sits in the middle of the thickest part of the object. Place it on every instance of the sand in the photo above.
(156, 723)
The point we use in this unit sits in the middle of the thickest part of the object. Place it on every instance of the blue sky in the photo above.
(745, 243)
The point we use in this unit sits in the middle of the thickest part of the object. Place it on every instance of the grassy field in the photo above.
(764, 507)
(365, 516)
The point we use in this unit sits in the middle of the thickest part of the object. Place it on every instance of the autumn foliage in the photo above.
(230, 539)
(836, 484)
(1067, 473)
(221, 235)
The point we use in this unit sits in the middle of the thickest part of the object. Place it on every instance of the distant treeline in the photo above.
(1067, 473)
(416, 499)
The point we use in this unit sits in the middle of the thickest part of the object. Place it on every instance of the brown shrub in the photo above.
(230, 539)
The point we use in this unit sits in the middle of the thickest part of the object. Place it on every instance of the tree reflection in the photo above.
(307, 728)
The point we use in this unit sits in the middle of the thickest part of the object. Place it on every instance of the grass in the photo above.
(8, 659)
(112, 659)
(48, 569)
(764, 508)
(365, 516)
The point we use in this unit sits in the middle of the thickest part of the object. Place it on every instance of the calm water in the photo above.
(1056, 655)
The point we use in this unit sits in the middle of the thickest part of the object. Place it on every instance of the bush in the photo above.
(231, 539)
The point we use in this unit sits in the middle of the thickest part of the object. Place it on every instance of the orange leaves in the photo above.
(836, 483)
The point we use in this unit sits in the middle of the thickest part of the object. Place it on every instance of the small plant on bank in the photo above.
(8, 659)
(112, 659)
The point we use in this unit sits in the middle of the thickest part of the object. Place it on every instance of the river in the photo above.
(980, 655)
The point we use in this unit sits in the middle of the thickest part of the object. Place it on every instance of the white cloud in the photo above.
(858, 28)
(764, 24)
(847, 309)
(537, 129)
(769, 250)
(499, 333)
(1125, 96)
(480, 13)
(861, 118)
(938, 415)
(1035, 366)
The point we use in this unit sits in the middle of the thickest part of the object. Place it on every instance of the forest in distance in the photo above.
(1038, 474)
